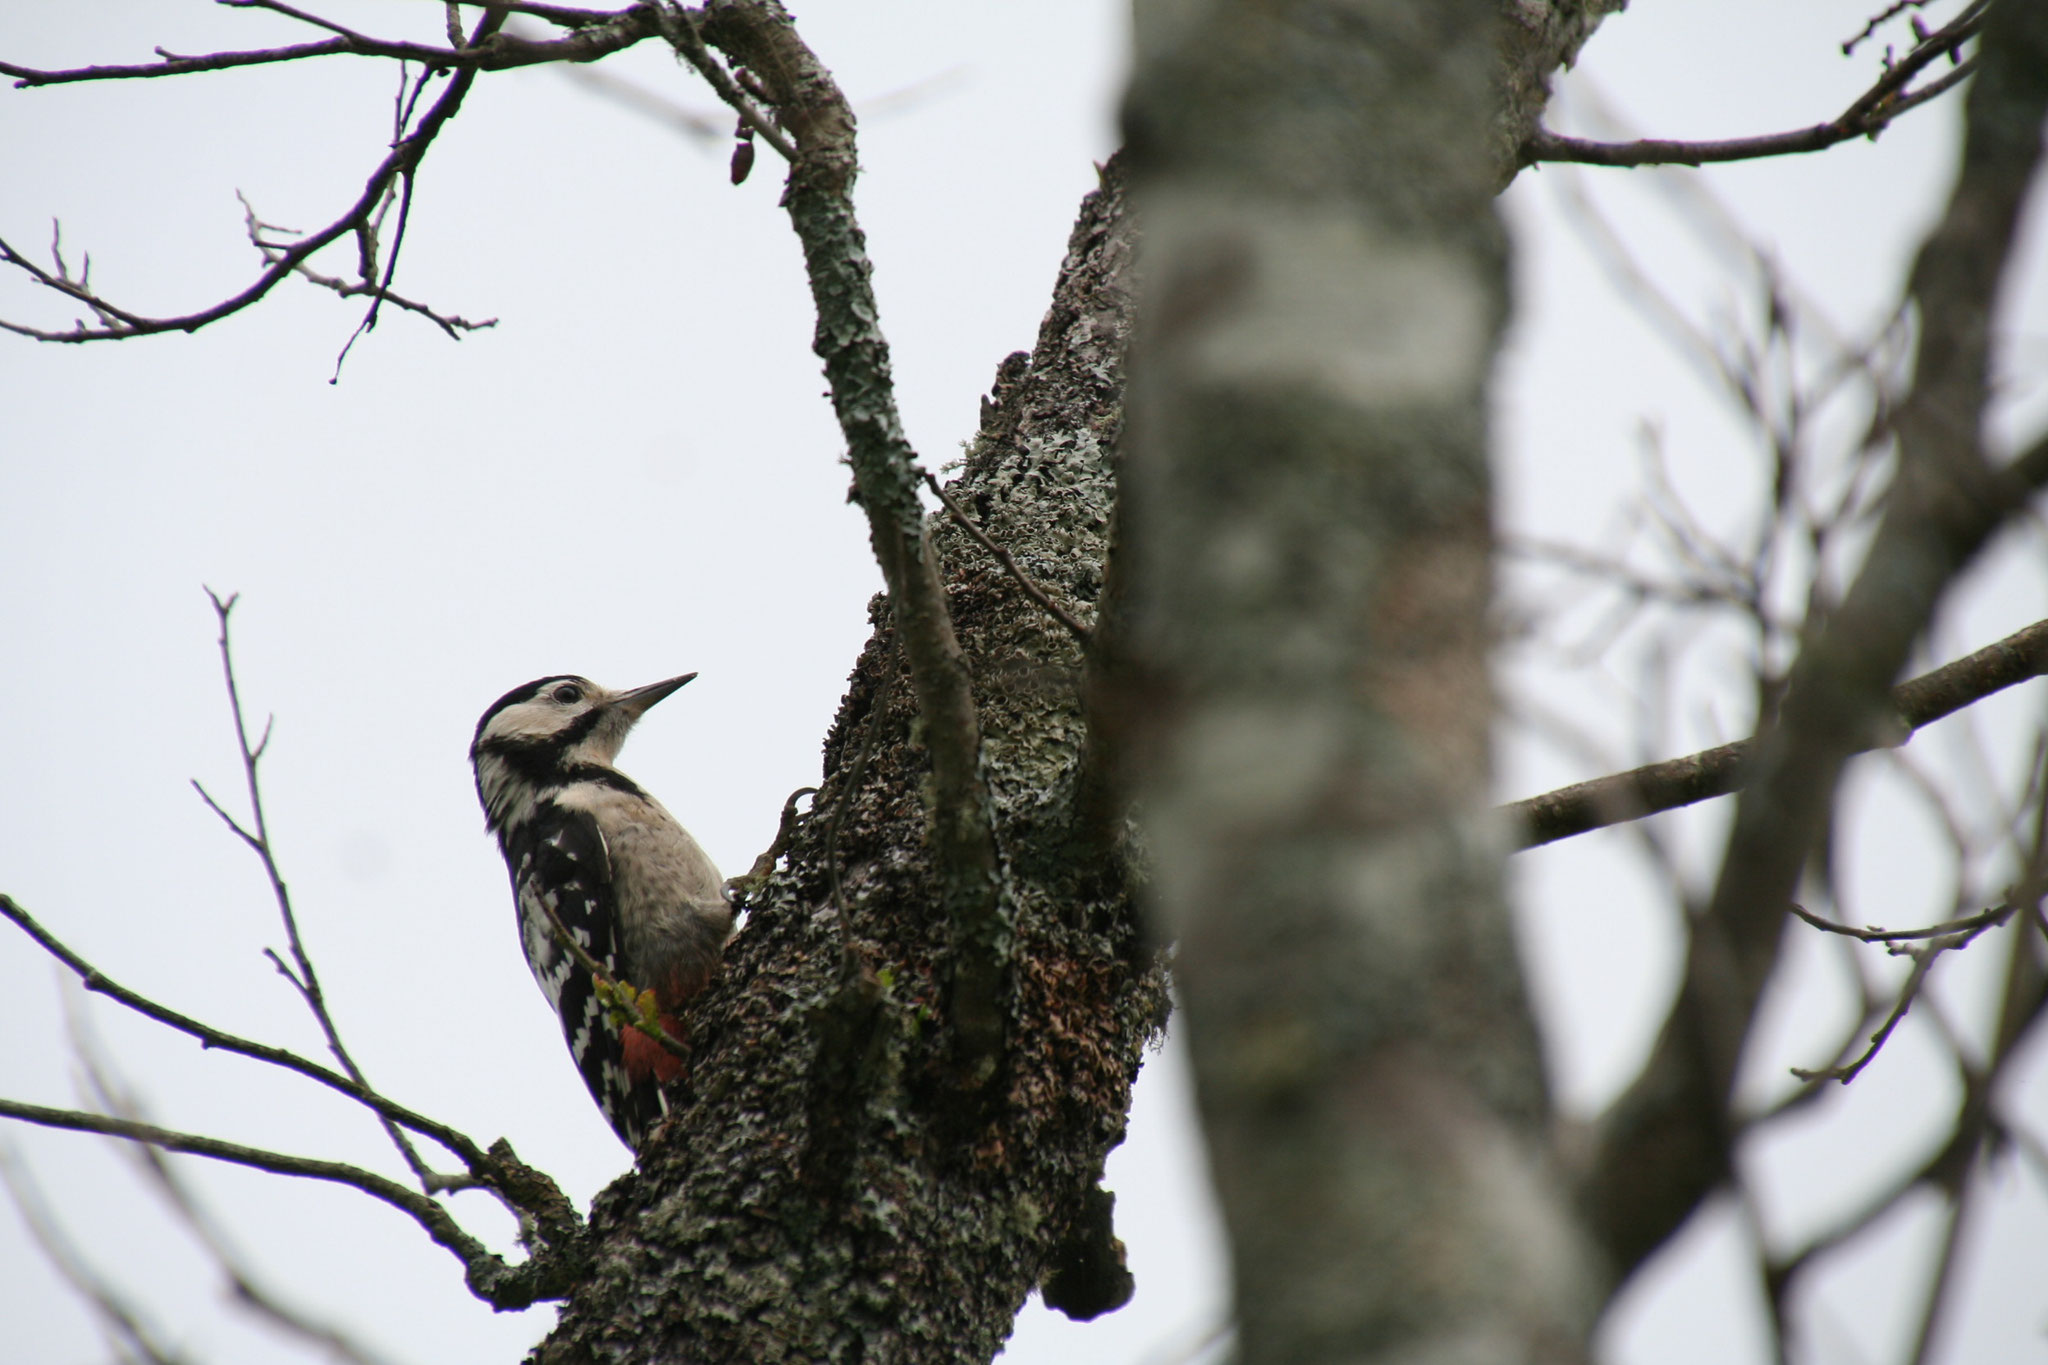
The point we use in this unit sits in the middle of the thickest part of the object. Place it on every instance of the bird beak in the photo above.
(636, 702)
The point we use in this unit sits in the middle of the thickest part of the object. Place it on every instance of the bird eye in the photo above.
(568, 694)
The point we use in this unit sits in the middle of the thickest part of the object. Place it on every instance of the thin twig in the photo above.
(404, 158)
(1024, 580)
(1879, 20)
(592, 34)
(1868, 115)
(562, 16)
(98, 982)
(1923, 962)
(679, 27)
(1972, 924)
(424, 1211)
(742, 886)
(306, 980)
(1551, 147)
(172, 65)
(452, 324)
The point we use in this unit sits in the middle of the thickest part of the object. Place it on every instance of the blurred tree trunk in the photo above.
(833, 1187)
(1308, 509)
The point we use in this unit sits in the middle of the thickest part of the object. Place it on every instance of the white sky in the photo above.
(635, 475)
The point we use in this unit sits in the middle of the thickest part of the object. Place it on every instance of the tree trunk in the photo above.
(831, 1188)
(1309, 518)
(834, 1186)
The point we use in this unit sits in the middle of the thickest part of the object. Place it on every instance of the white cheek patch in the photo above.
(529, 720)
(508, 801)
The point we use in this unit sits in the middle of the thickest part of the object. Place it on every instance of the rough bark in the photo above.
(833, 1187)
(1307, 535)
(828, 1190)
(1537, 38)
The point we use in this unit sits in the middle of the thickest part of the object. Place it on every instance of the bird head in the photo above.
(541, 732)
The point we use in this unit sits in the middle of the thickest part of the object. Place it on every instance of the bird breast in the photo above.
(674, 918)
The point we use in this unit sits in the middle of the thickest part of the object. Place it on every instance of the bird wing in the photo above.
(562, 865)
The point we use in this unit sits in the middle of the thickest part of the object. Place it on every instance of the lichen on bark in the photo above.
(828, 1189)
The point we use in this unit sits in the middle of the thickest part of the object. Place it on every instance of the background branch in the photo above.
(1867, 116)
(1667, 1142)
(1677, 782)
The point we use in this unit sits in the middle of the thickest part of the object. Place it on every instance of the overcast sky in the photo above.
(634, 475)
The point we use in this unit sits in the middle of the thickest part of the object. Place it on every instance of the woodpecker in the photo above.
(580, 838)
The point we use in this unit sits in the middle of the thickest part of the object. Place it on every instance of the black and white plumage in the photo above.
(628, 882)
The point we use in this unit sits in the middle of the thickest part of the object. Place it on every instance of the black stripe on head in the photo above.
(523, 692)
(604, 777)
(579, 729)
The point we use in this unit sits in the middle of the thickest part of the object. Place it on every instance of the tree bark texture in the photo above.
(831, 1188)
(841, 1182)
(1303, 691)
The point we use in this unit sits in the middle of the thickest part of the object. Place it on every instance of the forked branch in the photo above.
(115, 323)
(489, 1276)
(301, 973)
(1869, 114)
(98, 982)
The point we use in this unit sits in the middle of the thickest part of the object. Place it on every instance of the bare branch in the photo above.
(1867, 116)
(1667, 1142)
(403, 160)
(98, 982)
(679, 27)
(593, 34)
(171, 65)
(109, 1096)
(488, 1275)
(1923, 962)
(759, 36)
(562, 16)
(1678, 782)
(1879, 20)
(1969, 925)
(1977, 1123)
(292, 12)
(305, 980)
(1548, 146)
(452, 324)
